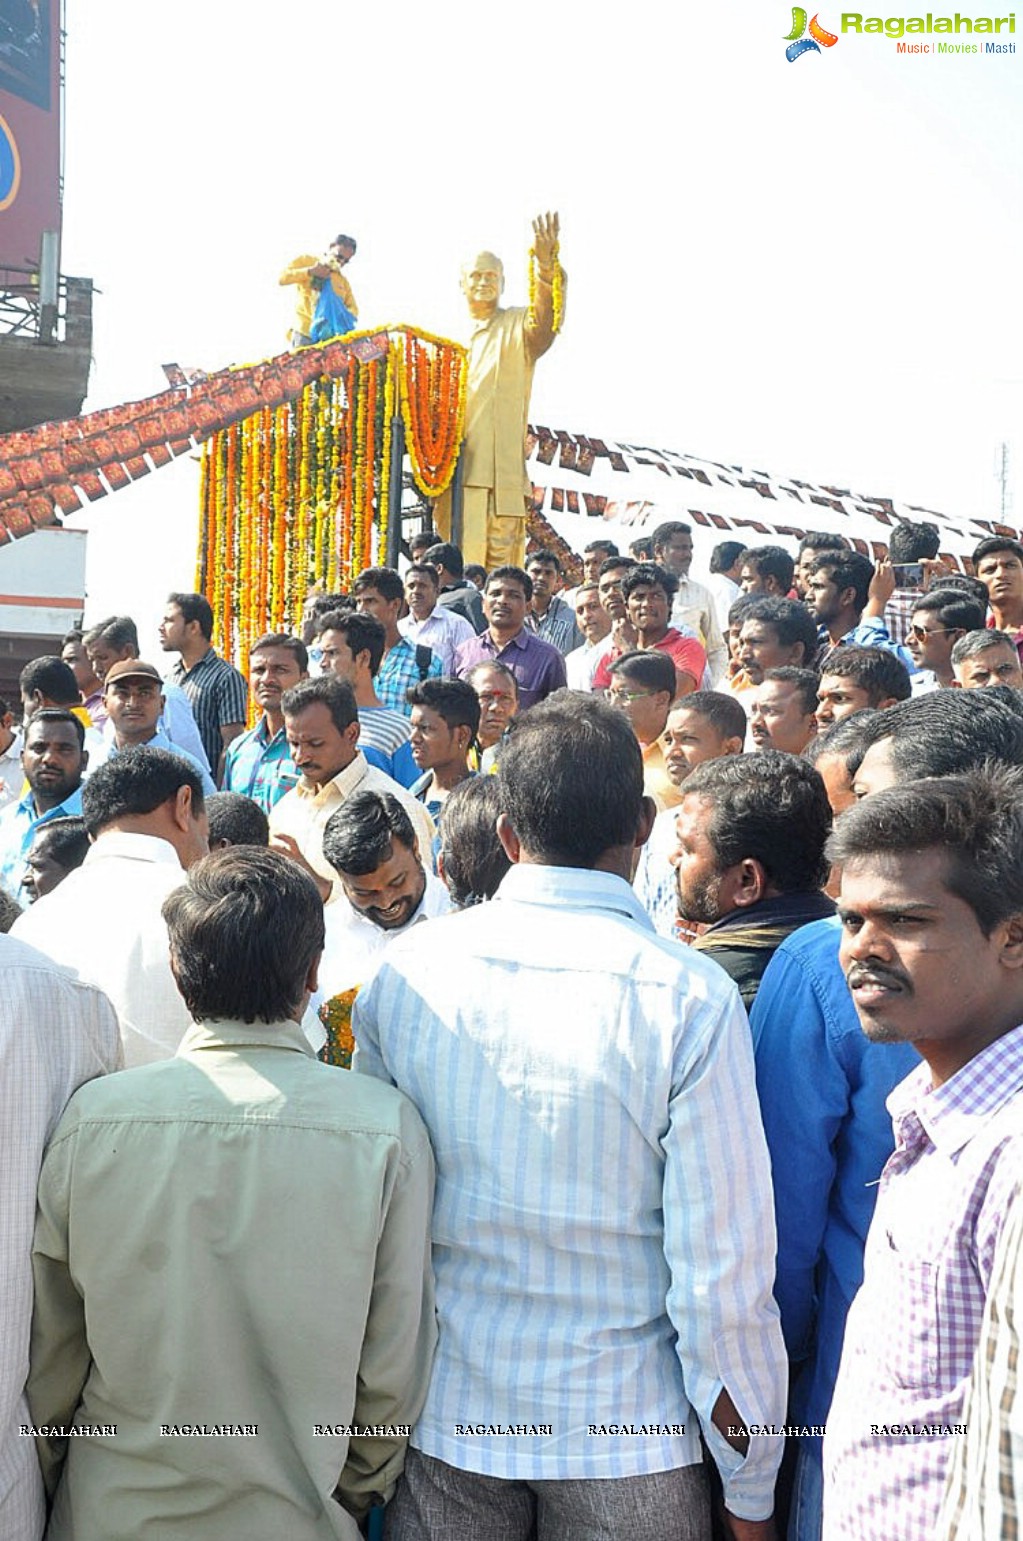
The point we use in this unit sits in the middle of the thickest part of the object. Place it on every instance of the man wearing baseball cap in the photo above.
(133, 701)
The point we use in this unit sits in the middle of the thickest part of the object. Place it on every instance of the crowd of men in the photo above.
(525, 1061)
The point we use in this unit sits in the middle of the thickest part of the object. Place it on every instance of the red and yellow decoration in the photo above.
(296, 494)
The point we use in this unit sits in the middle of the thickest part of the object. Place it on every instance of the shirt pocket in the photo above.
(908, 1324)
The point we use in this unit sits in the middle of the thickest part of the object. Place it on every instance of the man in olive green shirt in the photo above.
(234, 1306)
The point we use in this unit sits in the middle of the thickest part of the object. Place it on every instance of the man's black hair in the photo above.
(66, 840)
(722, 711)
(509, 574)
(362, 634)
(607, 546)
(770, 807)
(283, 639)
(445, 555)
(954, 609)
(612, 564)
(822, 540)
(996, 543)
(650, 575)
(194, 607)
(644, 666)
(136, 781)
(547, 557)
(725, 555)
(386, 580)
(848, 739)
(805, 681)
(53, 678)
(244, 930)
(474, 859)
(236, 819)
(789, 620)
(56, 714)
(771, 562)
(948, 732)
(358, 837)
(911, 542)
(454, 701)
(975, 819)
(847, 570)
(666, 532)
(877, 670)
(335, 694)
(567, 809)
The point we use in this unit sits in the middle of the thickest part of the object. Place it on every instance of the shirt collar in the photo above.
(72, 805)
(133, 847)
(225, 1034)
(520, 640)
(779, 909)
(579, 887)
(953, 1113)
(342, 785)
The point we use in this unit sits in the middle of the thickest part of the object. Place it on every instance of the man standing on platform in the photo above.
(504, 348)
(310, 274)
(218, 693)
(538, 668)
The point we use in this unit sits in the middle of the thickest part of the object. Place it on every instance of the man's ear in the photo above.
(746, 883)
(510, 842)
(1011, 952)
(645, 822)
(182, 807)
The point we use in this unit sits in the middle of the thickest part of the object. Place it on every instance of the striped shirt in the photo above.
(603, 1235)
(985, 1490)
(400, 670)
(219, 697)
(259, 765)
(387, 733)
(557, 625)
(443, 630)
(914, 1326)
(55, 1033)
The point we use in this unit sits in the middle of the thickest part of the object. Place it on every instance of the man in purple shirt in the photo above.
(537, 666)
(932, 949)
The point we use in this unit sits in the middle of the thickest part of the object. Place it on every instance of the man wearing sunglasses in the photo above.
(939, 619)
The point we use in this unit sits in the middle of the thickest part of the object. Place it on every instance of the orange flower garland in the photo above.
(297, 493)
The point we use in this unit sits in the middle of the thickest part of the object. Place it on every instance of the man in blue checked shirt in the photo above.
(379, 591)
(258, 763)
(603, 1234)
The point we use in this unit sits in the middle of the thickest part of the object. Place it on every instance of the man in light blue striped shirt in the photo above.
(603, 1232)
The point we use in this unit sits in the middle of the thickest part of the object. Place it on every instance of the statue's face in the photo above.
(482, 282)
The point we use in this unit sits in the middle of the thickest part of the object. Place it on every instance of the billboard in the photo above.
(29, 127)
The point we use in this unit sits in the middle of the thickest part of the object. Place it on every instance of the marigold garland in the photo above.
(557, 288)
(296, 494)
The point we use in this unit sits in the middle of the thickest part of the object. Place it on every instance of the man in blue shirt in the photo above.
(54, 760)
(258, 763)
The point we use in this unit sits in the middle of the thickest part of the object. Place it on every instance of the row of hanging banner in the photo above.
(296, 465)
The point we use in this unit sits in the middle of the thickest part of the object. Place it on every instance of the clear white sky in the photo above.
(809, 268)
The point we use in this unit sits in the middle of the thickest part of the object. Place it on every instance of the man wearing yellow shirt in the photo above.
(310, 274)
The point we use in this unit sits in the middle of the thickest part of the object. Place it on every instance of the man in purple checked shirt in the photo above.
(537, 666)
(932, 949)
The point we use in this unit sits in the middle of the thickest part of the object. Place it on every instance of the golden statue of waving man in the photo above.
(505, 345)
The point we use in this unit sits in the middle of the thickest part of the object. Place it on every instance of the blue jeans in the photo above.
(807, 1495)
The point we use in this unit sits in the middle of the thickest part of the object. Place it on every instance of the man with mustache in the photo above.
(823, 1084)
(931, 909)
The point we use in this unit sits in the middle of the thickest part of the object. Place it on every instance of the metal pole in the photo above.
(48, 286)
(394, 490)
(457, 501)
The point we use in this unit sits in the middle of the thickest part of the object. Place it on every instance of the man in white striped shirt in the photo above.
(603, 1234)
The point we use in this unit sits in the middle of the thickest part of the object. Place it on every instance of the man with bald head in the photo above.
(505, 346)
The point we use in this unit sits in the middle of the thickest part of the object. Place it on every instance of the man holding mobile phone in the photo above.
(912, 549)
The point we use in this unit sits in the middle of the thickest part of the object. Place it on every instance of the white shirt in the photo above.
(603, 1230)
(694, 607)
(354, 944)
(303, 812)
(581, 663)
(104, 923)
(12, 777)
(443, 631)
(724, 592)
(55, 1033)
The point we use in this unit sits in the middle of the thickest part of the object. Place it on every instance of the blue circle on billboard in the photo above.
(10, 166)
